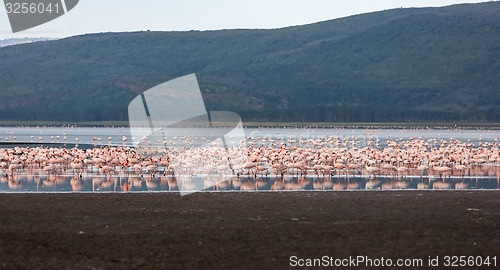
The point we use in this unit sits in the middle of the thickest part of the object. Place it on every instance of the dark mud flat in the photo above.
(242, 230)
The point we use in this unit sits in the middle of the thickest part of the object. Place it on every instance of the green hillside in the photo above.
(425, 64)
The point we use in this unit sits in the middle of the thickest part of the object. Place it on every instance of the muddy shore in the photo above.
(242, 230)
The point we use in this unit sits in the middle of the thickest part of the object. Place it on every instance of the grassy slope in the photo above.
(436, 64)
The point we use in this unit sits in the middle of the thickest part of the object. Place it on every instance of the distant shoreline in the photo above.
(376, 125)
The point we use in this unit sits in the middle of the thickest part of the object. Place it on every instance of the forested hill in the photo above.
(418, 64)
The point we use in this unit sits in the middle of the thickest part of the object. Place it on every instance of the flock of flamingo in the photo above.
(292, 163)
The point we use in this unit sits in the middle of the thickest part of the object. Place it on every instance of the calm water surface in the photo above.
(114, 136)
(479, 177)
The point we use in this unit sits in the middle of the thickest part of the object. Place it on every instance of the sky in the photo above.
(96, 16)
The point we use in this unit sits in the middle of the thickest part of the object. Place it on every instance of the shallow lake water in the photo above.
(161, 183)
(483, 176)
(85, 136)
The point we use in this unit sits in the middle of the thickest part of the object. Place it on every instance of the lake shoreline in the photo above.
(242, 230)
(252, 124)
